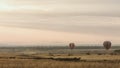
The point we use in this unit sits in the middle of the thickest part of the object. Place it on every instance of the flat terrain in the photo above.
(11, 60)
(59, 57)
(54, 64)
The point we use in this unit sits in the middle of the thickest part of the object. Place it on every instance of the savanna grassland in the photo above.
(54, 64)
(87, 61)
(58, 57)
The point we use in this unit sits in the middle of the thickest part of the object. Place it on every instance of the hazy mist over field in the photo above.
(59, 21)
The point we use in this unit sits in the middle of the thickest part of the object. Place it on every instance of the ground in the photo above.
(30, 61)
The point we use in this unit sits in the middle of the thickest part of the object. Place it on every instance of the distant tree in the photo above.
(88, 53)
(51, 54)
(99, 53)
(117, 51)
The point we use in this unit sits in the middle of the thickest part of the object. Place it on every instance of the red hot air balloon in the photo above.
(107, 45)
(72, 45)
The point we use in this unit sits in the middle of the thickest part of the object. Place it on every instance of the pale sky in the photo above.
(59, 21)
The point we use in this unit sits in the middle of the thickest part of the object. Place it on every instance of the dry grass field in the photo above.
(15, 61)
(57, 57)
(54, 64)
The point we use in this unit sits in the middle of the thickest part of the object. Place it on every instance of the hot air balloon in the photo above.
(72, 46)
(107, 45)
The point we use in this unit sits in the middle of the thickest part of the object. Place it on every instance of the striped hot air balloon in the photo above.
(72, 45)
(107, 44)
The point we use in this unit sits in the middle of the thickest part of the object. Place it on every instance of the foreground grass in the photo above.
(20, 63)
(48, 63)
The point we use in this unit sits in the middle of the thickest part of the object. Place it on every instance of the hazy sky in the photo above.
(59, 21)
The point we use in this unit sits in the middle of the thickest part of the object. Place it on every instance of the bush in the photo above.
(99, 53)
(117, 51)
(88, 53)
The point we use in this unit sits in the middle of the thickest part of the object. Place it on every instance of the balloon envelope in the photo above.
(107, 45)
(72, 45)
